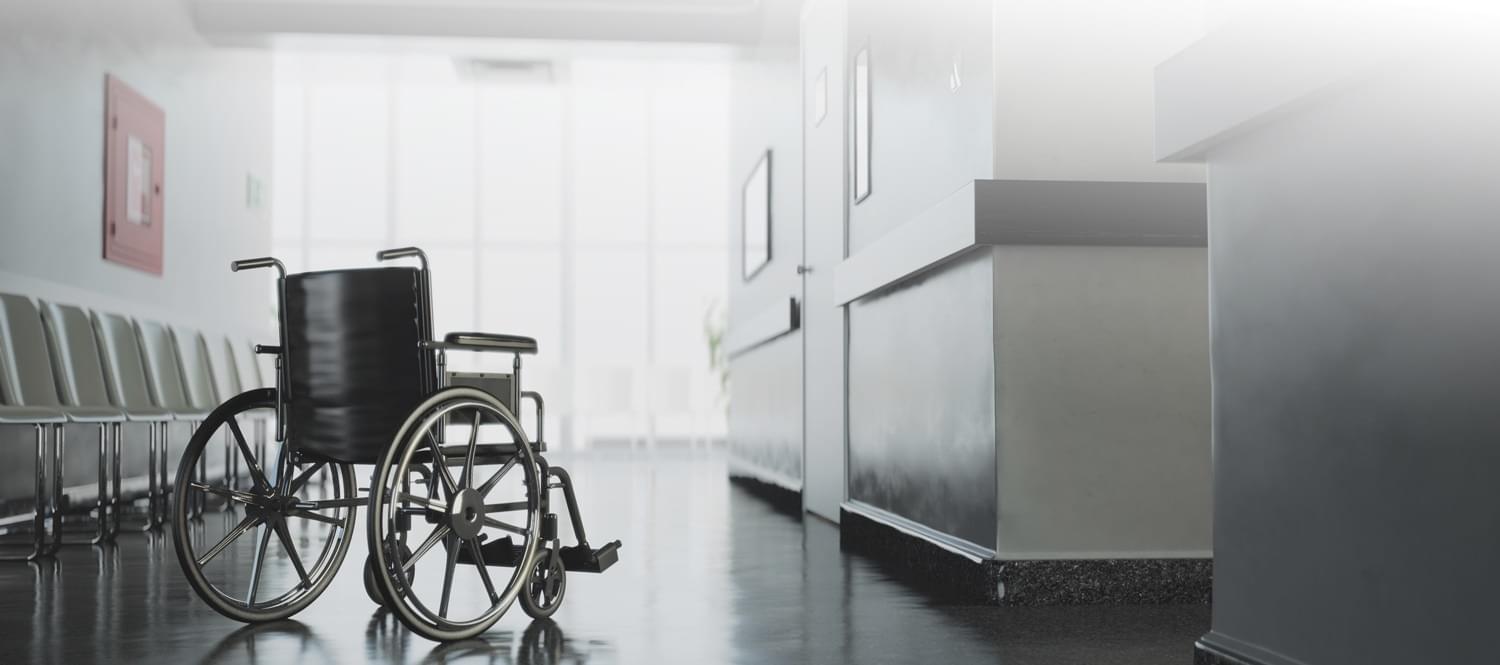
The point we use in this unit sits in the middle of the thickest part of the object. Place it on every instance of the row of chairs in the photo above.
(62, 364)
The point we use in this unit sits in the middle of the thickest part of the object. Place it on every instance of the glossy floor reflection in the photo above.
(708, 574)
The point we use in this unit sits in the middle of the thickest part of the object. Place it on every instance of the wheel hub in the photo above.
(466, 514)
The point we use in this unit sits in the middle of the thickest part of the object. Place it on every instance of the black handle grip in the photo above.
(398, 253)
(263, 262)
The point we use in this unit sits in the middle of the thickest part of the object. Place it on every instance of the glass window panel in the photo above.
(689, 156)
(435, 163)
(609, 151)
(521, 164)
(287, 156)
(609, 308)
(327, 256)
(347, 177)
(521, 294)
(453, 291)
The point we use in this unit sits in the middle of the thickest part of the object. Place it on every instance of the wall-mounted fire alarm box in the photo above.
(134, 153)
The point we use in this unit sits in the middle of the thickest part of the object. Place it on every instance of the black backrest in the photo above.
(353, 359)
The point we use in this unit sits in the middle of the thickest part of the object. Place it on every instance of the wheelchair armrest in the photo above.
(476, 341)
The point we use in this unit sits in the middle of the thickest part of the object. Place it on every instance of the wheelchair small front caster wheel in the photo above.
(545, 586)
(372, 587)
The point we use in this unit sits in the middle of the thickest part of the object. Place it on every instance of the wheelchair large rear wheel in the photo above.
(472, 499)
(279, 549)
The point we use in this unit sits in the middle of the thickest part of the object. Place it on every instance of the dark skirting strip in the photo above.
(784, 500)
(953, 577)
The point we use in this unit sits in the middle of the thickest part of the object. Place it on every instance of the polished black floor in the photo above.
(708, 574)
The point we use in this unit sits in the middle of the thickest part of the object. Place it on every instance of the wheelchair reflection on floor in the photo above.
(460, 522)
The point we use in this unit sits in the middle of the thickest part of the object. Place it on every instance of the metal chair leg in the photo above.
(163, 448)
(57, 481)
(40, 514)
(115, 504)
(101, 500)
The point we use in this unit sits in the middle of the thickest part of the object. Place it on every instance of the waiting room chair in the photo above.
(83, 365)
(43, 422)
(130, 390)
(164, 373)
(251, 378)
(203, 394)
(29, 381)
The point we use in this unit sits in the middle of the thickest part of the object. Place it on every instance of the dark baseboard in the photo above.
(1108, 582)
(781, 498)
(938, 571)
(1206, 655)
(953, 577)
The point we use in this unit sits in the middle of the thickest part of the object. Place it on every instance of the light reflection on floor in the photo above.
(708, 574)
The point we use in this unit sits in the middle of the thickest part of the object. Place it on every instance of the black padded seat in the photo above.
(478, 341)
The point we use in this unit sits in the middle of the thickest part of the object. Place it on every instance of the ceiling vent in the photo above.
(505, 71)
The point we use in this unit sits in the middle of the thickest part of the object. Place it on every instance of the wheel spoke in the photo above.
(325, 504)
(256, 473)
(492, 522)
(308, 515)
(242, 497)
(440, 462)
(453, 543)
(506, 507)
(257, 563)
(244, 526)
(484, 573)
(495, 479)
(432, 539)
(466, 480)
(302, 477)
(291, 552)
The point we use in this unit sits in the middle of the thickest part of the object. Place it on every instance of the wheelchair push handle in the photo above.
(401, 253)
(262, 262)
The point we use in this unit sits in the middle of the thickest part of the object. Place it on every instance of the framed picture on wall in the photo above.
(134, 156)
(755, 217)
(862, 124)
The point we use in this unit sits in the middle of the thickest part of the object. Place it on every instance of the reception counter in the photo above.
(1028, 390)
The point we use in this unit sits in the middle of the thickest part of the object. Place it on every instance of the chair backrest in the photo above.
(163, 370)
(26, 377)
(75, 355)
(354, 366)
(124, 366)
(226, 372)
(197, 368)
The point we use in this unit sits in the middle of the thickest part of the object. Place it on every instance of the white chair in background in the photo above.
(165, 377)
(29, 381)
(129, 390)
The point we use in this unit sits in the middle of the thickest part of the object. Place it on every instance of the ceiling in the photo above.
(659, 21)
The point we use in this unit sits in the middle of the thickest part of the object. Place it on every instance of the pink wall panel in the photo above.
(134, 157)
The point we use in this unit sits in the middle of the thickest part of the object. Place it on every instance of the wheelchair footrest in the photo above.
(578, 558)
(581, 559)
(500, 552)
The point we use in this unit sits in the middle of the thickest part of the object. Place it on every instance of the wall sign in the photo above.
(134, 156)
(755, 218)
(862, 124)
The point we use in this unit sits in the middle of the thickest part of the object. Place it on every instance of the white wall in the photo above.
(1073, 86)
(928, 139)
(765, 409)
(53, 62)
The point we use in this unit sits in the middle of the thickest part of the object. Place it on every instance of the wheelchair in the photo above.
(360, 380)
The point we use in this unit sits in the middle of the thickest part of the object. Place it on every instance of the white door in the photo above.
(824, 218)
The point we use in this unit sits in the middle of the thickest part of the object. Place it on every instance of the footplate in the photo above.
(581, 559)
(577, 559)
(499, 552)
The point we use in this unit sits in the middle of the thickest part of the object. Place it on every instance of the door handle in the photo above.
(803, 270)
